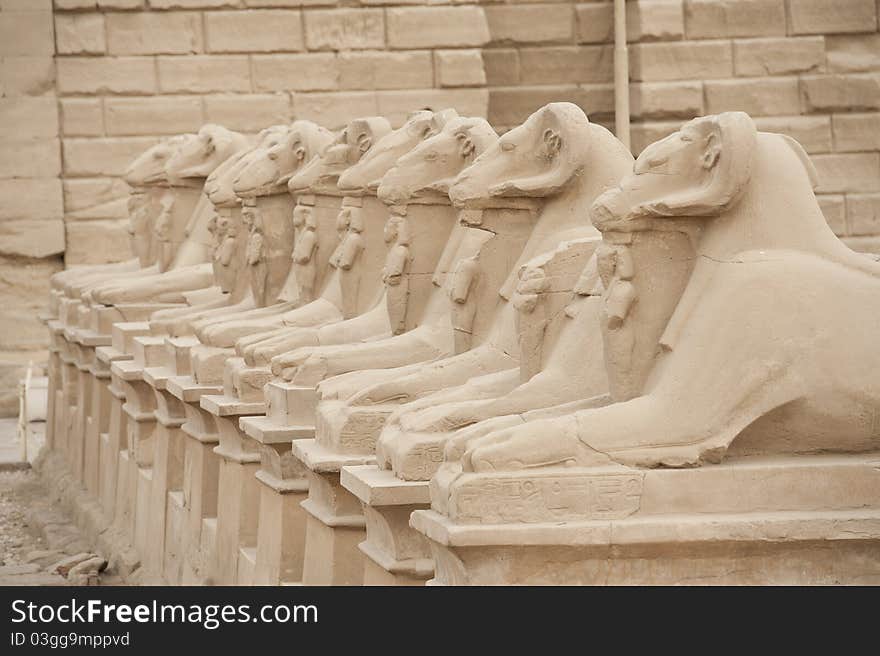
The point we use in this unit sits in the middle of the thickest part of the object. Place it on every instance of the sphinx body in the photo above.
(261, 171)
(184, 247)
(559, 246)
(740, 353)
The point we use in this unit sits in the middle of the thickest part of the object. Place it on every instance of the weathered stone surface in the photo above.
(657, 62)
(459, 68)
(565, 64)
(369, 70)
(27, 198)
(334, 110)
(24, 288)
(844, 93)
(443, 27)
(345, 29)
(204, 74)
(834, 208)
(27, 76)
(80, 34)
(828, 16)
(753, 57)
(502, 66)
(248, 113)
(32, 237)
(255, 30)
(26, 33)
(82, 117)
(302, 72)
(32, 118)
(33, 158)
(854, 132)
(812, 132)
(853, 52)
(644, 134)
(863, 214)
(158, 115)
(94, 242)
(659, 100)
(545, 23)
(86, 193)
(857, 172)
(131, 75)
(758, 96)
(150, 33)
(713, 19)
(397, 105)
(107, 156)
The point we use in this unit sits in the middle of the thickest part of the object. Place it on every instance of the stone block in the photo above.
(754, 57)
(845, 93)
(717, 19)
(664, 100)
(254, 30)
(32, 237)
(29, 158)
(27, 76)
(249, 113)
(96, 242)
(834, 208)
(367, 70)
(301, 72)
(88, 75)
(84, 194)
(31, 198)
(107, 156)
(82, 117)
(345, 29)
(26, 33)
(811, 132)
(757, 96)
(830, 16)
(863, 214)
(566, 64)
(545, 23)
(35, 118)
(459, 68)
(80, 34)
(151, 33)
(502, 66)
(856, 132)
(853, 52)
(204, 74)
(654, 20)
(334, 110)
(157, 115)
(436, 27)
(692, 60)
(397, 105)
(849, 172)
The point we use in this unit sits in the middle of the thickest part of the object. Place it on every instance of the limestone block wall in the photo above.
(31, 206)
(130, 71)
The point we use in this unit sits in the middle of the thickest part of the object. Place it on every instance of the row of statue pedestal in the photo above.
(432, 354)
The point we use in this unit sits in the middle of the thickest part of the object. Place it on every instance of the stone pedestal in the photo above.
(394, 553)
(284, 485)
(53, 374)
(801, 520)
(335, 525)
(189, 553)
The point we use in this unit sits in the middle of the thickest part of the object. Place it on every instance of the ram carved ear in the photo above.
(466, 146)
(552, 142)
(729, 145)
(364, 142)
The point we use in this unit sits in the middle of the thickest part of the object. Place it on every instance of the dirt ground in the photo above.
(24, 551)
